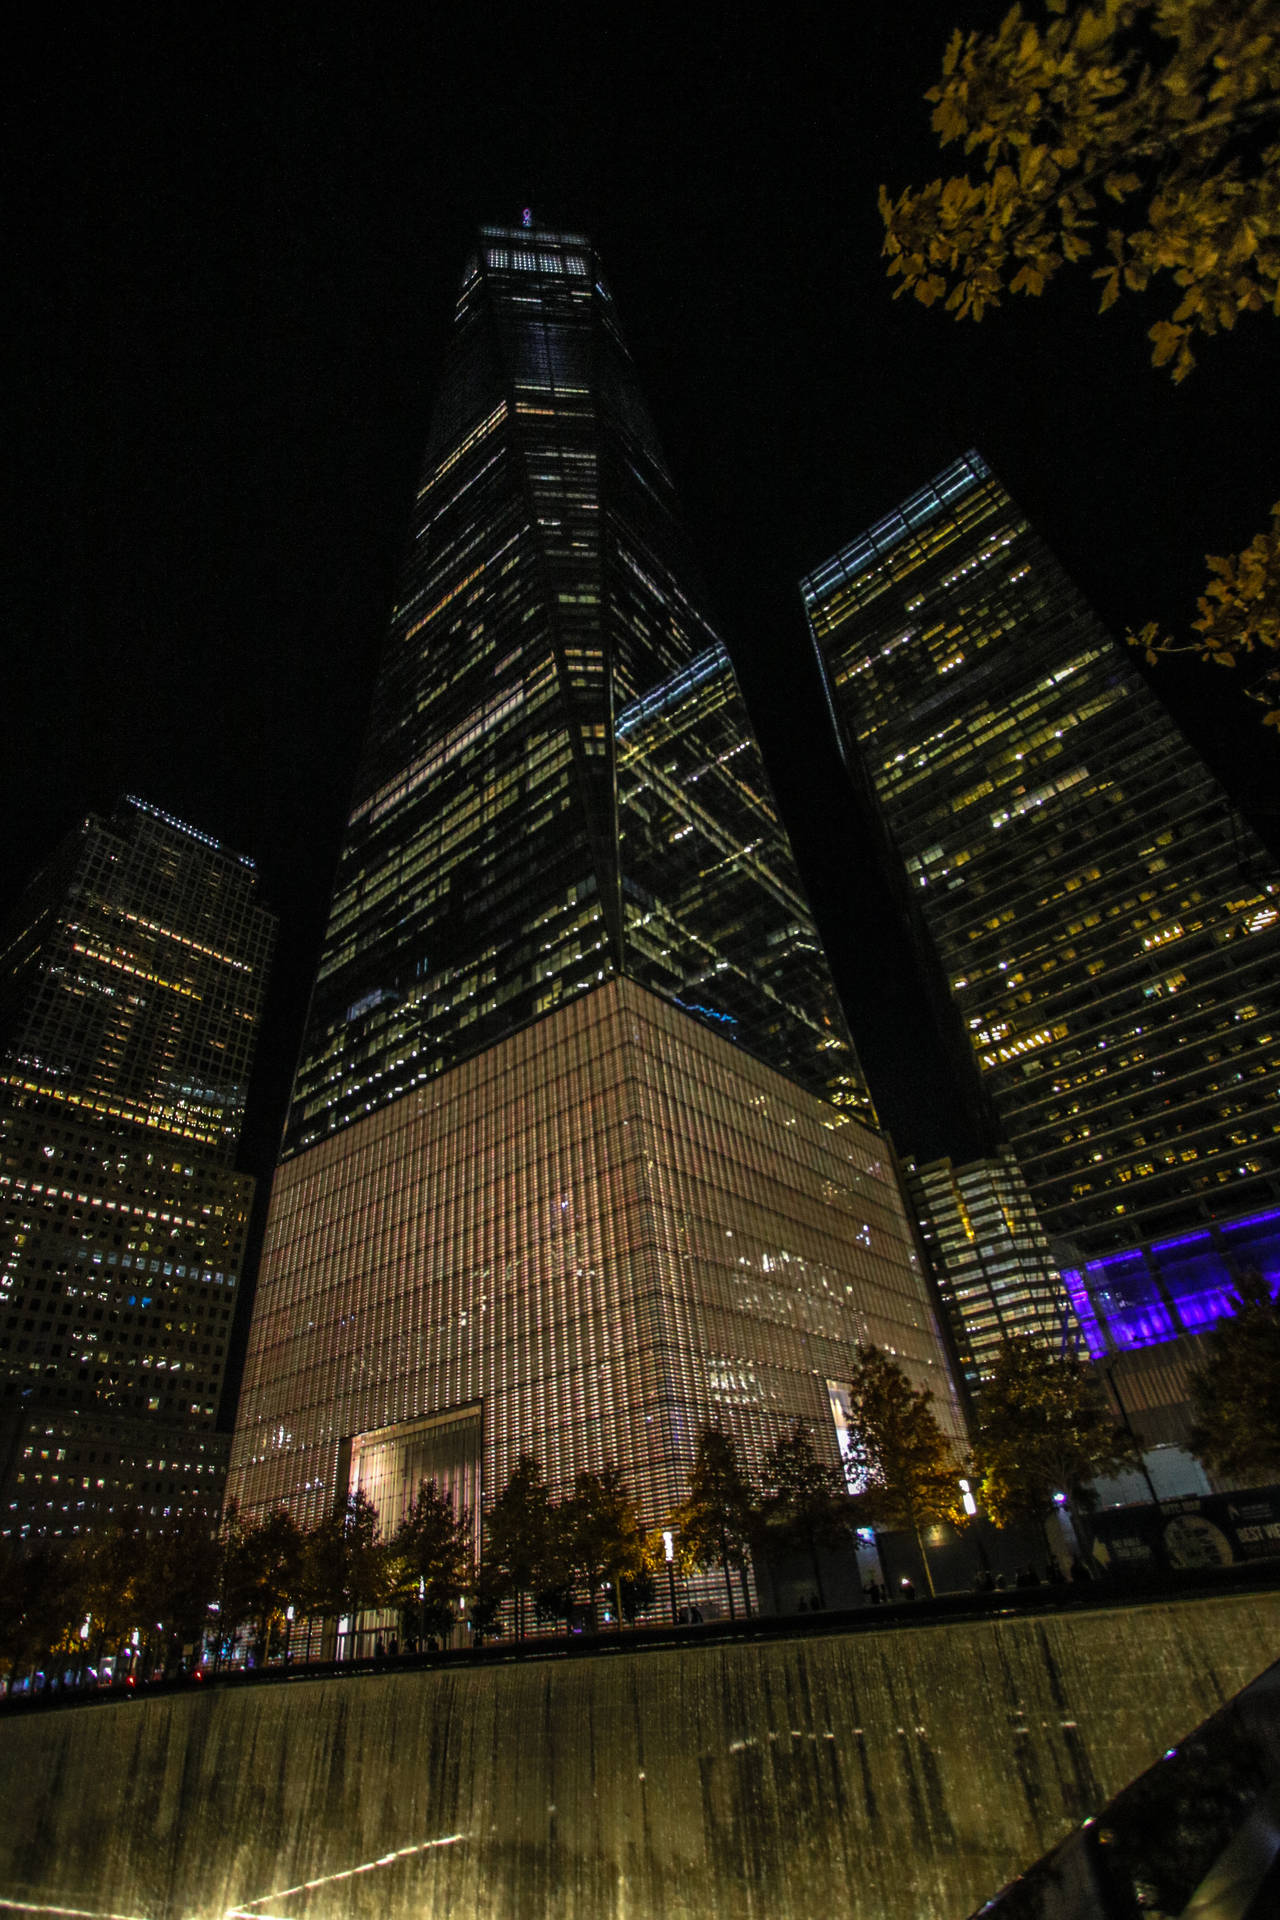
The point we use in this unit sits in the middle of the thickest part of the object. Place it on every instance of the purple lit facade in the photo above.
(1179, 1286)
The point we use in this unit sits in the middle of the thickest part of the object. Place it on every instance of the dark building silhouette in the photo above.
(131, 983)
(580, 1153)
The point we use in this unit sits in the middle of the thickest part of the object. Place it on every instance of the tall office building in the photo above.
(1108, 926)
(580, 1153)
(992, 1264)
(132, 976)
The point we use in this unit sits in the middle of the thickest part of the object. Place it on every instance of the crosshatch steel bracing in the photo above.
(1108, 925)
(579, 1135)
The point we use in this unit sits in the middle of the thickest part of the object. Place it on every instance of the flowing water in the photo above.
(907, 1771)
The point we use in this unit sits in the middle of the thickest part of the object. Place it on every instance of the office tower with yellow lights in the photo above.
(132, 976)
(987, 1251)
(580, 1154)
(1107, 924)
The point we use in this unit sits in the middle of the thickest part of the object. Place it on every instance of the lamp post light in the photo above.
(669, 1553)
(970, 1505)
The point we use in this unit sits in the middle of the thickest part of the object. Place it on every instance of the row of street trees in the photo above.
(1043, 1432)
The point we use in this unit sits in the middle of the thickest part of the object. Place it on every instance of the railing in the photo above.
(1132, 1589)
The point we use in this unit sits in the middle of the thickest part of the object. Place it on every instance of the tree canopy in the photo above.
(1236, 1397)
(1142, 135)
(716, 1524)
(604, 1541)
(1043, 1428)
(808, 1503)
(909, 1470)
(1159, 118)
(429, 1561)
(518, 1537)
(1238, 617)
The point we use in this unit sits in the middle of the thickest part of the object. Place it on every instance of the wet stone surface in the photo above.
(864, 1775)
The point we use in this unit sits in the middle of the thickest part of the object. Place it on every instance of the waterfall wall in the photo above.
(867, 1775)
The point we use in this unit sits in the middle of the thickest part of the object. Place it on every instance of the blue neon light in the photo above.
(691, 1006)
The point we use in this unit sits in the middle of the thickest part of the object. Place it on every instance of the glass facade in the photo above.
(602, 1231)
(131, 985)
(1147, 1295)
(1108, 925)
(990, 1259)
(390, 1465)
(560, 783)
(578, 1137)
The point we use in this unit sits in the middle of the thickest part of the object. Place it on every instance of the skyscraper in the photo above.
(990, 1258)
(131, 984)
(1108, 926)
(580, 1152)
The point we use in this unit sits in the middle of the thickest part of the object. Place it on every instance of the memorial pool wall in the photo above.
(906, 1771)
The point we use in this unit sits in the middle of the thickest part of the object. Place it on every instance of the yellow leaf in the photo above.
(1166, 339)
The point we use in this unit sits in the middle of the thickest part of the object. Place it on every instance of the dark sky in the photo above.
(234, 263)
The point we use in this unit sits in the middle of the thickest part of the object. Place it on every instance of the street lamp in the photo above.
(669, 1553)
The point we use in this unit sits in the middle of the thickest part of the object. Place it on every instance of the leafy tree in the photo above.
(488, 1593)
(638, 1589)
(1145, 133)
(40, 1606)
(715, 1526)
(429, 1561)
(807, 1503)
(910, 1473)
(261, 1573)
(555, 1573)
(517, 1536)
(1042, 1428)
(1238, 617)
(179, 1573)
(1236, 1397)
(343, 1563)
(103, 1569)
(1167, 111)
(605, 1542)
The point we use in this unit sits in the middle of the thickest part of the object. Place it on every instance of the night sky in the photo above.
(234, 266)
